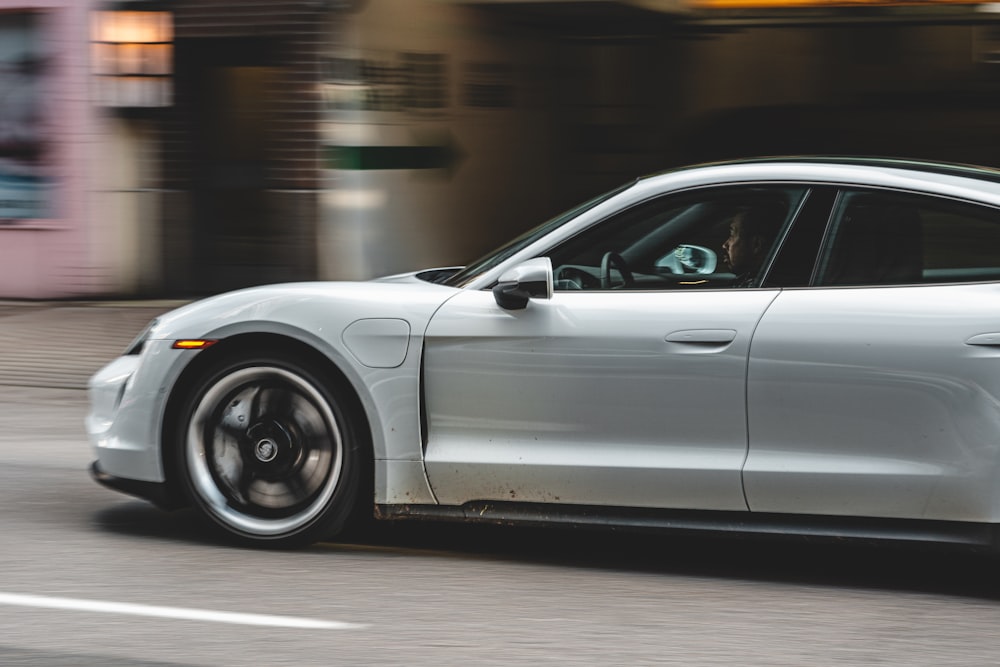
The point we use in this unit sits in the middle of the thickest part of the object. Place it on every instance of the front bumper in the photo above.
(127, 399)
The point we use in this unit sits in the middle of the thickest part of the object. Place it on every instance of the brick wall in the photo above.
(295, 29)
(227, 248)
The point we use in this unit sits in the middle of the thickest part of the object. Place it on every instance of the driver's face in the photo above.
(737, 250)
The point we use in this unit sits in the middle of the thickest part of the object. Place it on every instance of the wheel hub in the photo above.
(270, 446)
(266, 450)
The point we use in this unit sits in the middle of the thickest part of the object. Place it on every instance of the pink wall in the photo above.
(52, 257)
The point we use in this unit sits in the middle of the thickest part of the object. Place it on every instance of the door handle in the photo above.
(984, 339)
(704, 336)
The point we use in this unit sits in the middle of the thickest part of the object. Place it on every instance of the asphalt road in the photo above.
(427, 594)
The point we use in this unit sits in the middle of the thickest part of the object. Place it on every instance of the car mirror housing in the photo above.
(529, 280)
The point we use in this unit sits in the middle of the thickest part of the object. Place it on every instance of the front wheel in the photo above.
(268, 451)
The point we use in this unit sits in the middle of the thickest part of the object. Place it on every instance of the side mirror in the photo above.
(528, 280)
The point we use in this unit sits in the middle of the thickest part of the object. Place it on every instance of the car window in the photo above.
(886, 238)
(717, 237)
(487, 262)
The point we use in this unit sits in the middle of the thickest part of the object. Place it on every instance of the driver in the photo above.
(752, 230)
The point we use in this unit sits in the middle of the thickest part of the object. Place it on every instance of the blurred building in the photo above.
(184, 147)
(47, 128)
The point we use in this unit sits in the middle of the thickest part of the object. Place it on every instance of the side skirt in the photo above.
(957, 533)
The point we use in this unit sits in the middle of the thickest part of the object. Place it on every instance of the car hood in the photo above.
(324, 308)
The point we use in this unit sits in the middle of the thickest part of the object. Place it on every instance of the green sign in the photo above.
(444, 155)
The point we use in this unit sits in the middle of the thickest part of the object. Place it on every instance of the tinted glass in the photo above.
(884, 238)
(796, 259)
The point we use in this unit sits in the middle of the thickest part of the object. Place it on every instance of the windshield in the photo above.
(508, 250)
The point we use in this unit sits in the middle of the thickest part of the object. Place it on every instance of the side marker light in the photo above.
(193, 344)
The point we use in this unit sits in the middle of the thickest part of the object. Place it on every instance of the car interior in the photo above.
(662, 245)
(875, 238)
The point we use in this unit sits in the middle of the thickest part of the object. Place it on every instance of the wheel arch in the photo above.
(249, 342)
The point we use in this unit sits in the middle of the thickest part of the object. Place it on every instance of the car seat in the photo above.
(876, 243)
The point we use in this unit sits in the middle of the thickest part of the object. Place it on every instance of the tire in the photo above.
(267, 451)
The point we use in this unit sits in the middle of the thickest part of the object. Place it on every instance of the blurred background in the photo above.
(178, 148)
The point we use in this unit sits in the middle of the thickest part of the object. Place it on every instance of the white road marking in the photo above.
(172, 612)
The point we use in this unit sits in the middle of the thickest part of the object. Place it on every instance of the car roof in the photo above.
(924, 175)
(944, 168)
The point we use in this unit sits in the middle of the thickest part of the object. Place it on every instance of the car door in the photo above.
(626, 388)
(876, 391)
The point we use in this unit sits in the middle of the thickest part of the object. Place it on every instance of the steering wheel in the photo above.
(613, 260)
(570, 277)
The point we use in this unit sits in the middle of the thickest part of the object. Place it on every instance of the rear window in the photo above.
(883, 238)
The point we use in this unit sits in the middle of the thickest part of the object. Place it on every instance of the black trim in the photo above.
(438, 276)
(422, 397)
(155, 492)
(957, 533)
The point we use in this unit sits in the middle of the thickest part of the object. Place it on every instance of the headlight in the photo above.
(135, 347)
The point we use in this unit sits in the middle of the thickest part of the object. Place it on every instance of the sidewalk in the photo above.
(61, 344)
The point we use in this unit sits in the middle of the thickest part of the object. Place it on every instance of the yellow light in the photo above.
(193, 344)
(771, 4)
(123, 27)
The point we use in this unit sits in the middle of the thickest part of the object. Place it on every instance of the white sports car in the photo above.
(795, 346)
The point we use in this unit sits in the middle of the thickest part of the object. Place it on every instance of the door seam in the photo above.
(746, 398)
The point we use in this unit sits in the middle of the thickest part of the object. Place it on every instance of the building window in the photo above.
(25, 189)
(133, 58)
